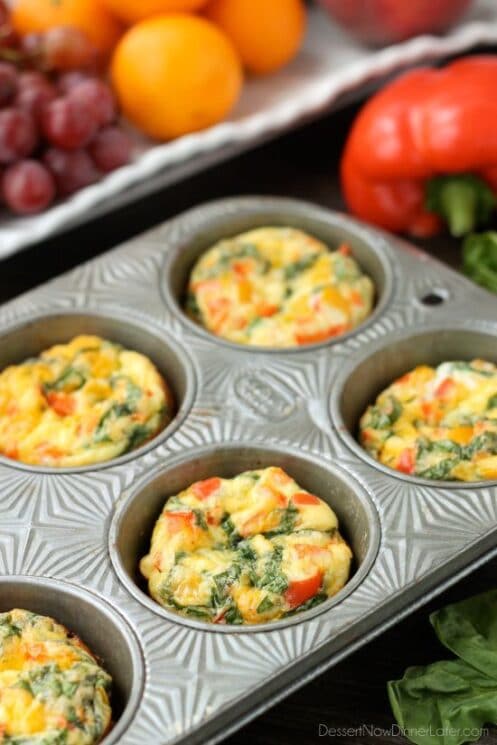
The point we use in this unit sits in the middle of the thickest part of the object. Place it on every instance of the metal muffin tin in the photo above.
(70, 538)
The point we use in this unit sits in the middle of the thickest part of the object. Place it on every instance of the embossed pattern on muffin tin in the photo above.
(200, 684)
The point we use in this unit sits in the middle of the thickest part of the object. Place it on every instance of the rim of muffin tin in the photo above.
(159, 340)
(191, 463)
(339, 392)
(229, 217)
(113, 639)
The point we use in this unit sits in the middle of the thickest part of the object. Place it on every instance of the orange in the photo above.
(266, 33)
(175, 74)
(91, 16)
(131, 11)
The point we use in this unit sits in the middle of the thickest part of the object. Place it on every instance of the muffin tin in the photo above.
(70, 538)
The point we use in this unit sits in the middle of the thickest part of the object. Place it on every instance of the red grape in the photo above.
(72, 169)
(96, 96)
(9, 40)
(18, 135)
(69, 80)
(8, 83)
(67, 48)
(35, 91)
(4, 12)
(31, 47)
(28, 187)
(110, 149)
(68, 123)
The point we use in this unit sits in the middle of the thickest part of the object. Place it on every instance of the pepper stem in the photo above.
(464, 201)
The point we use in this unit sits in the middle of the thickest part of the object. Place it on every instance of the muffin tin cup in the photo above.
(240, 408)
(366, 377)
(133, 523)
(371, 253)
(100, 627)
(41, 331)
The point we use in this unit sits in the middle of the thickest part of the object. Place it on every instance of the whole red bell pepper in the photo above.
(424, 150)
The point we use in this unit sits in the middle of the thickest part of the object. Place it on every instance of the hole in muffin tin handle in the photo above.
(435, 297)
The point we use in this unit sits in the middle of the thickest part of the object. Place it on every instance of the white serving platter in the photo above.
(331, 69)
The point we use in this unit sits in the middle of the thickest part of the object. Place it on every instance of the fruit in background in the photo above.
(34, 91)
(95, 94)
(267, 35)
(18, 135)
(90, 16)
(45, 122)
(8, 83)
(60, 48)
(175, 74)
(132, 11)
(387, 21)
(71, 169)
(28, 187)
(68, 123)
(110, 149)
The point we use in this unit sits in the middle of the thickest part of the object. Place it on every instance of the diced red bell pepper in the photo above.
(301, 591)
(204, 489)
(62, 403)
(303, 498)
(406, 461)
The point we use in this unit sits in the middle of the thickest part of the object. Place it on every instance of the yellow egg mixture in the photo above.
(437, 423)
(278, 287)
(52, 691)
(245, 550)
(81, 403)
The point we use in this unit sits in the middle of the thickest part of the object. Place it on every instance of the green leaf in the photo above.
(115, 412)
(311, 603)
(440, 471)
(200, 519)
(229, 528)
(293, 270)
(492, 402)
(265, 605)
(469, 629)
(480, 259)
(69, 380)
(138, 435)
(382, 417)
(485, 443)
(233, 616)
(272, 578)
(287, 522)
(192, 307)
(254, 323)
(445, 703)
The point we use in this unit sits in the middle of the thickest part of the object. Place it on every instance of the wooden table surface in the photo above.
(304, 164)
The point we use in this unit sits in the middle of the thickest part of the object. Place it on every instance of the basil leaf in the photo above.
(446, 703)
(480, 259)
(469, 629)
(293, 270)
(265, 605)
(492, 402)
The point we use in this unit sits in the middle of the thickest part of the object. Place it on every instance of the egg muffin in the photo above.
(246, 550)
(81, 403)
(52, 690)
(278, 287)
(437, 423)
